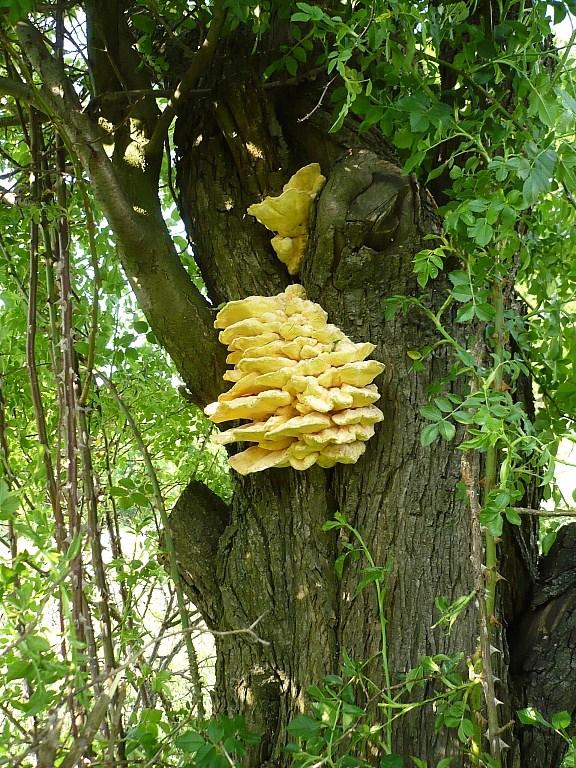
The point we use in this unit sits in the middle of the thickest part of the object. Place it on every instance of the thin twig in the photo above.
(319, 102)
(31, 355)
(545, 512)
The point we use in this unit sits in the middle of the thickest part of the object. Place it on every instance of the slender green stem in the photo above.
(169, 543)
(490, 555)
(380, 594)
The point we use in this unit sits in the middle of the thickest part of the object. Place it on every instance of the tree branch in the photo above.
(17, 89)
(200, 62)
(178, 313)
(545, 512)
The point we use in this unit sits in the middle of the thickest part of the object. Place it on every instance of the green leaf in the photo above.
(450, 613)
(465, 313)
(492, 521)
(541, 173)
(215, 731)
(546, 106)
(353, 710)
(189, 742)
(39, 701)
(403, 139)
(466, 730)
(371, 575)
(429, 434)
(431, 412)
(485, 312)
(311, 11)
(234, 746)
(414, 161)
(207, 756)
(333, 679)
(513, 517)
(462, 293)
(568, 102)
(330, 524)
(463, 417)
(531, 716)
(17, 669)
(482, 232)
(291, 65)
(392, 761)
(447, 430)
(459, 278)
(151, 716)
(143, 23)
(299, 54)
(9, 502)
(561, 720)
(339, 564)
(444, 404)
(304, 727)
(37, 644)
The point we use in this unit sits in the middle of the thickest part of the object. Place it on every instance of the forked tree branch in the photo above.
(200, 63)
(178, 313)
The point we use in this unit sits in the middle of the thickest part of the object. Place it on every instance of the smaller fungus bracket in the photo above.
(289, 215)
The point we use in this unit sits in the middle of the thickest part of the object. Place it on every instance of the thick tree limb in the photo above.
(17, 89)
(178, 314)
(116, 67)
(542, 649)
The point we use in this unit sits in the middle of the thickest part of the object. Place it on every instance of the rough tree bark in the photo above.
(266, 556)
(273, 561)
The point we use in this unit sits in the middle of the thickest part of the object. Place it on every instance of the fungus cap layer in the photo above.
(305, 388)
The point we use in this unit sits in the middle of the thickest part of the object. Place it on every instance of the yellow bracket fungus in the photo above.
(289, 214)
(305, 387)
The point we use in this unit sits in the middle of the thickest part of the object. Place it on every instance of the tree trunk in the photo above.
(273, 563)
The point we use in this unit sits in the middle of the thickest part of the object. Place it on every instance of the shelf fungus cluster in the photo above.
(305, 387)
(289, 215)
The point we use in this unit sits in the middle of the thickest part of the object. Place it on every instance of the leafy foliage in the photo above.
(59, 645)
(484, 115)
